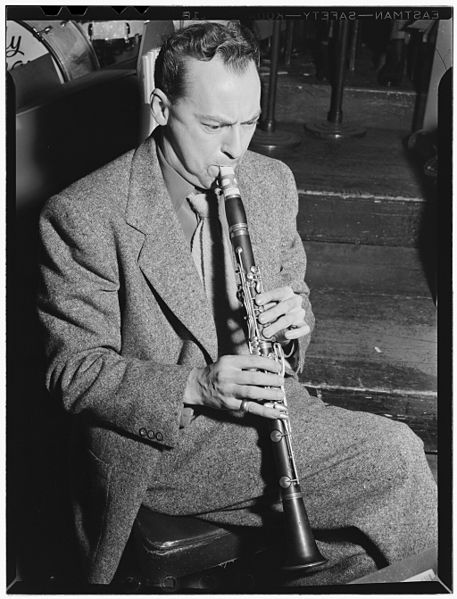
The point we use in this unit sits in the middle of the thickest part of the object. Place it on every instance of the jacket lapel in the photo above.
(164, 258)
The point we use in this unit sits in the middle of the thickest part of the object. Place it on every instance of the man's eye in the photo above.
(251, 123)
(212, 127)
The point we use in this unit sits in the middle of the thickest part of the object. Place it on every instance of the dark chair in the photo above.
(175, 553)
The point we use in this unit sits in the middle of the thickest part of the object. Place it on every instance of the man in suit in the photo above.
(167, 402)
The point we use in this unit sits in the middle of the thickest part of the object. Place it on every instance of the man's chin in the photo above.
(213, 172)
(208, 181)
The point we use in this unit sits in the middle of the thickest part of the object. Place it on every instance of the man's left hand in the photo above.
(283, 315)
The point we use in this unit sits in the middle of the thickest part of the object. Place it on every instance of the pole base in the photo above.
(274, 140)
(328, 130)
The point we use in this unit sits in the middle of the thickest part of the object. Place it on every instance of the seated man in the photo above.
(147, 349)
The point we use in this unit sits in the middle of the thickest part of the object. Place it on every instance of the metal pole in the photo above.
(335, 114)
(289, 43)
(334, 128)
(267, 137)
(269, 122)
(353, 48)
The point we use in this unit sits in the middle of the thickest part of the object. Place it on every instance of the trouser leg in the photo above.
(360, 472)
(380, 484)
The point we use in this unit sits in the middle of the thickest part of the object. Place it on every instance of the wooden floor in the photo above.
(376, 164)
(374, 347)
(358, 190)
(363, 217)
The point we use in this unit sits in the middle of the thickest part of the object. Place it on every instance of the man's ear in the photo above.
(160, 106)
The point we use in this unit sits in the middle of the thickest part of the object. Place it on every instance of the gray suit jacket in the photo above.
(125, 319)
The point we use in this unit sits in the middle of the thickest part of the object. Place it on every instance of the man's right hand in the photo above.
(232, 379)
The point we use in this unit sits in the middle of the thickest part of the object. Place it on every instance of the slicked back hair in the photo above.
(234, 44)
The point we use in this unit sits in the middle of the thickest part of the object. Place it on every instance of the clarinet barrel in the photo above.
(301, 552)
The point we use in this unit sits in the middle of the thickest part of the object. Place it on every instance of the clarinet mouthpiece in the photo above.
(229, 184)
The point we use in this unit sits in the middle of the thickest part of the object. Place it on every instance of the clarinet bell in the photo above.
(301, 549)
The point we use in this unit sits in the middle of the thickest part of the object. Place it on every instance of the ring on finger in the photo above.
(244, 406)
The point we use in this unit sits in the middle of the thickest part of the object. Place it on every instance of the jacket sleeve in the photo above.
(79, 308)
(293, 263)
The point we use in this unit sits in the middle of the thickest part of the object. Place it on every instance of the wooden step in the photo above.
(303, 102)
(366, 269)
(374, 347)
(359, 190)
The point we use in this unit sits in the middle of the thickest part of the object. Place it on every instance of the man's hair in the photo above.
(234, 44)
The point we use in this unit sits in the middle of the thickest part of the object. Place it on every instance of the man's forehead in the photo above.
(204, 79)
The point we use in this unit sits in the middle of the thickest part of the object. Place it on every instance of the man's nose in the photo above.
(233, 143)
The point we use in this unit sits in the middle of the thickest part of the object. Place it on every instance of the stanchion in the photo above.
(334, 128)
(353, 45)
(267, 137)
(289, 43)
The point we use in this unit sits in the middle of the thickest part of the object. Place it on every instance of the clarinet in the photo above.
(301, 551)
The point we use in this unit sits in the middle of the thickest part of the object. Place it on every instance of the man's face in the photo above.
(213, 123)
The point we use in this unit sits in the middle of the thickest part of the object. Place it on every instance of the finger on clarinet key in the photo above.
(297, 331)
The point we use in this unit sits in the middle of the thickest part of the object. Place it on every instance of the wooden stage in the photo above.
(365, 216)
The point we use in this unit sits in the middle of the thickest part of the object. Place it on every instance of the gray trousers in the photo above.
(361, 474)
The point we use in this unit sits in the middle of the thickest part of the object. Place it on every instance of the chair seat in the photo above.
(172, 547)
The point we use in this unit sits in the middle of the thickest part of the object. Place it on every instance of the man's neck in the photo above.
(169, 156)
(178, 188)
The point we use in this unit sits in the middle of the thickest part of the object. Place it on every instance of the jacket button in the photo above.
(143, 432)
(159, 436)
(151, 434)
